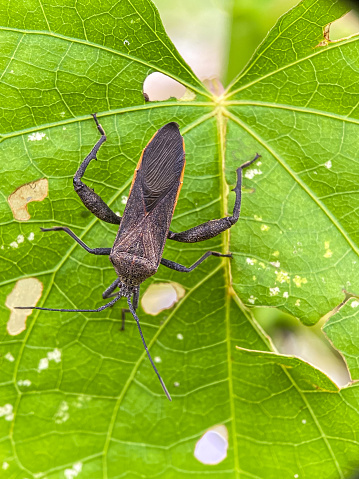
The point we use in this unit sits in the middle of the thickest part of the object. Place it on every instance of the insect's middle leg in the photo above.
(97, 251)
(185, 269)
(89, 198)
(212, 228)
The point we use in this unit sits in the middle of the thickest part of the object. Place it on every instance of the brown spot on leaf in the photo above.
(34, 191)
(26, 292)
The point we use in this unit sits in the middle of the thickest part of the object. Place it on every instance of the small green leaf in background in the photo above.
(78, 397)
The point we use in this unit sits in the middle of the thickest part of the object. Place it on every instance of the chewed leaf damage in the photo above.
(19, 199)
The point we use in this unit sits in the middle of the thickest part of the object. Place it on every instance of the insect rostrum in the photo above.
(144, 227)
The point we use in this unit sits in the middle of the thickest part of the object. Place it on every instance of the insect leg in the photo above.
(110, 289)
(212, 228)
(89, 198)
(123, 317)
(101, 308)
(136, 297)
(97, 251)
(133, 312)
(184, 269)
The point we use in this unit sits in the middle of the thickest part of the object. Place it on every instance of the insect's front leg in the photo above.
(89, 198)
(212, 228)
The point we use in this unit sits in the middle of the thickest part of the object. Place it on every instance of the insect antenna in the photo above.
(145, 346)
(101, 308)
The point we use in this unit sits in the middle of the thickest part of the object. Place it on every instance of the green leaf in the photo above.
(79, 394)
(341, 329)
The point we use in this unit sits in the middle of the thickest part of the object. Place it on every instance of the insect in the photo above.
(144, 227)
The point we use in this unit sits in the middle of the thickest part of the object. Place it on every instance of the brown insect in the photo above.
(144, 227)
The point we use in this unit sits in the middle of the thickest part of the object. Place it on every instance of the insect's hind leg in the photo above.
(136, 297)
(185, 269)
(89, 198)
(212, 228)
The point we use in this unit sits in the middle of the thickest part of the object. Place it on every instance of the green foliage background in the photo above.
(296, 103)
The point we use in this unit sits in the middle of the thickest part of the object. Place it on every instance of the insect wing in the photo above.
(153, 195)
(162, 165)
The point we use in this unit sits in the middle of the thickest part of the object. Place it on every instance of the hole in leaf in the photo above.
(160, 296)
(291, 337)
(345, 26)
(341, 29)
(34, 191)
(212, 448)
(160, 87)
(26, 292)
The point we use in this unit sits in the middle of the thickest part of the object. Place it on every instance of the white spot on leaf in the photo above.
(74, 471)
(354, 304)
(31, 236)
(274, 291)
(7, 412)
(250, 174)
(38, 136)
(62, 414)
(24, 382)
(157, 359)
(252, 299)
(285, 294)
(9, 357)
(257, 218)
(5, 465)
(124, 200)
(297, 303)
(251, 261)
(43, 364)
(265, 228)
(328, 164)
(282, 277)
(54, 355)
(179, 336)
